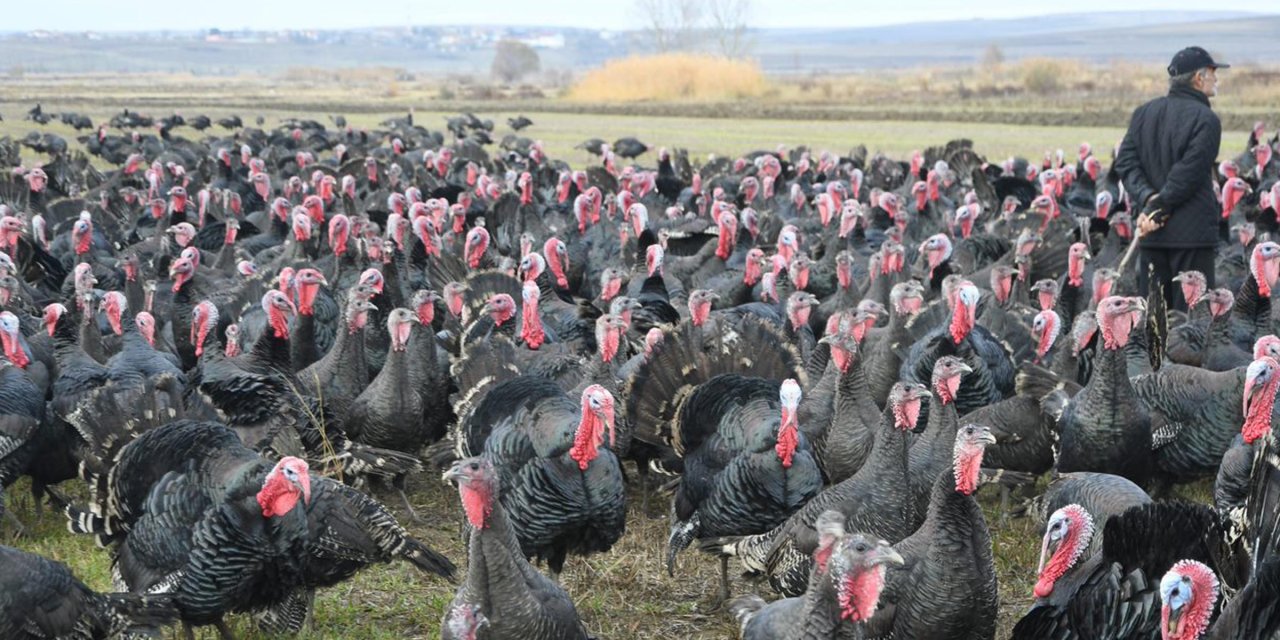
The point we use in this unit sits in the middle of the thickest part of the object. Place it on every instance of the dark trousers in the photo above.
(1164, 264)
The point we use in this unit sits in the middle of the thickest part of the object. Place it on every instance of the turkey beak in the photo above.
(454, 474)
(1047, 549)
(1175, 621)
(965, 369)
(986, 438)
(304, 483)
(885, 554)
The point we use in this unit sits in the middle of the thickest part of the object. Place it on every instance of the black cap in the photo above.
(1192, 59)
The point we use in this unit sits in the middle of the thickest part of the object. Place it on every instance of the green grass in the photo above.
(703, 137)
(625, 593)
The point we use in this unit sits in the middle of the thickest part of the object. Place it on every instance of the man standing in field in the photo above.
(1166, 163)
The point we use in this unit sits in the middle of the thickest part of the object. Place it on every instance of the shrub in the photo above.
(1042, 75)
(671, 77)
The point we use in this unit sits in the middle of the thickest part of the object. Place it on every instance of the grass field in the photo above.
(626, 593)
(621, 595)
(561, 132)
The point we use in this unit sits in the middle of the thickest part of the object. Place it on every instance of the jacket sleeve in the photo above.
(1188, 173)
(1129, 165)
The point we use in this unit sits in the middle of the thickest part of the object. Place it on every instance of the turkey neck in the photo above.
(134, 294)
(272, 351)
(1219, 332)
(853, 396)
(225, 261)
(1251, 309)
(955, 523)
(392, 293)
(821, 610)
(302, 345)
(496, 566)
(888, 460)
(424, 359)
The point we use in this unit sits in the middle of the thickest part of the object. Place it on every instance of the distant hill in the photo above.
(1138, 36)
(1098, 38)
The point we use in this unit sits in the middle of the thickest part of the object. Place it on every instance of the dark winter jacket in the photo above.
(1171, 149)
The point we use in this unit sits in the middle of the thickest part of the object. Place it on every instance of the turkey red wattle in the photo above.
(1117, 316)
(279, 310)
(557, 258)
(859, 593)
(1002, 284)
(1260, 384)
(501, 308)
(610, 284)
(531, 331)
(971, 442)
(1103, 281)
(920, 191)
(284, 485)
(1232, 192)
(788, 243)
(1268, 345)
(261, 185)
(12, 338)
(798, 272)
(1188, 591)
(964, 315)
(609, 330)
(477, 243)
(309, 281)
(788, 429)
(907, 411)
(753, 268)
(700, 307)
(1262, 157)
(525, 183)
(1047, 326)
(232, 348)
(113, 305)
(597, 414)
(180, 272)
(841, 355)
(1066, 538)
(1264, 264)
(728, 236)
(946, 384)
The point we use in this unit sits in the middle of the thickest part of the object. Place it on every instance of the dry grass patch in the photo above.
(671, 77)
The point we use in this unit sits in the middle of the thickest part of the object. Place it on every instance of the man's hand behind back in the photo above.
(1153, 216)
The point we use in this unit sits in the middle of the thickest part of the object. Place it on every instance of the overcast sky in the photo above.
(101, 15)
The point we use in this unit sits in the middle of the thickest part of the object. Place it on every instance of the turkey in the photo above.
(388, 413)
(946, 588)
(518, 602)
(40, 598)
(876, 499)
(992, 378)
(135, 450)
(747, 466)
(1105, 427)
(562, 483)
(843, 592)
(1113, 593)
(242, 549)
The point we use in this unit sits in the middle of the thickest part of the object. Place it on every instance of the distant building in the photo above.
(544, 41)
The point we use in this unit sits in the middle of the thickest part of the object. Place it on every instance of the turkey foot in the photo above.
(18, 529)
(399, 484)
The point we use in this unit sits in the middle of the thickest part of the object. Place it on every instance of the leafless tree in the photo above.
(670, 25)
(728, 25)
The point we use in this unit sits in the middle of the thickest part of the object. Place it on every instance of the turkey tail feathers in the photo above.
(689, 357)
